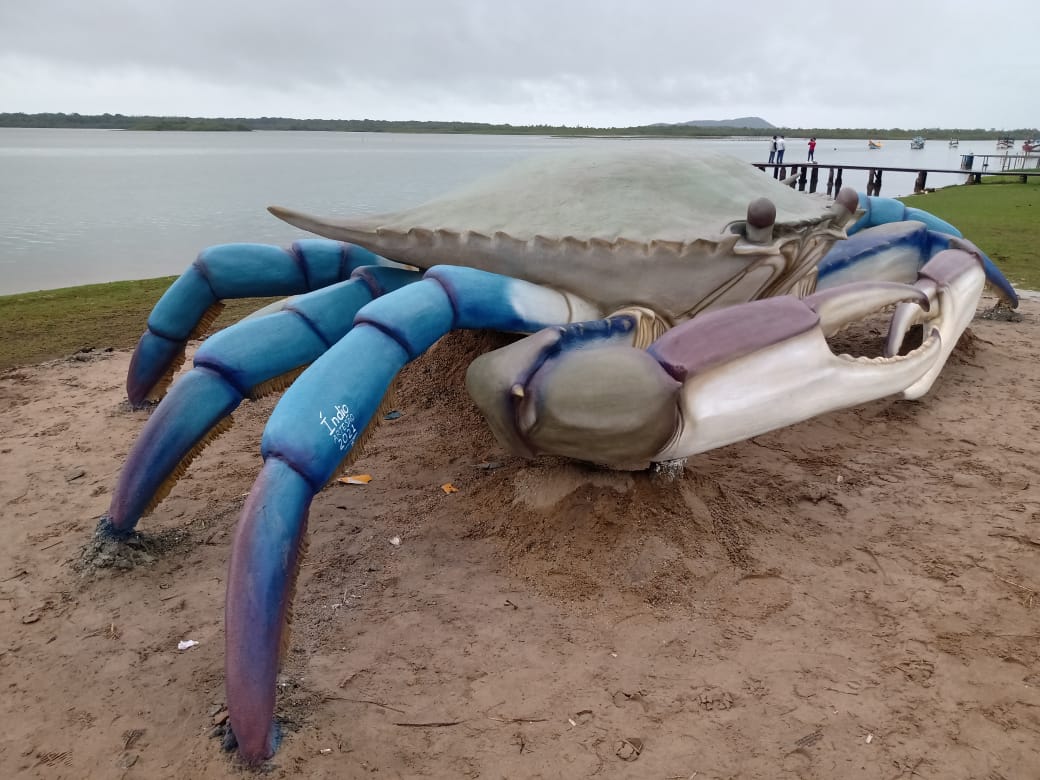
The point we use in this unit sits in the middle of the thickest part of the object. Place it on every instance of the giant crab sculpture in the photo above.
(677, 303)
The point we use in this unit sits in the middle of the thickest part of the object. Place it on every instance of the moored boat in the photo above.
(917, 142)
(873, 144)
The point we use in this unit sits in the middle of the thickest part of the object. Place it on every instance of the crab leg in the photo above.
(881, 211)
(250, 358)
(895, 251)
(192, 302)
(313, 429)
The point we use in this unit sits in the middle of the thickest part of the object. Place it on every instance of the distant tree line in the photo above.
(121, 122)
(241, 124)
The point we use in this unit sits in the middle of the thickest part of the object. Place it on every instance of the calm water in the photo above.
(84, 206)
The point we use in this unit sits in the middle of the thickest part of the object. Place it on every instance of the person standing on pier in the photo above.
(812, 149)
(780, 150)
(772, 149)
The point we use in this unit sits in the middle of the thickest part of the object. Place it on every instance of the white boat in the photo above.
(917, 143)
(954, 143)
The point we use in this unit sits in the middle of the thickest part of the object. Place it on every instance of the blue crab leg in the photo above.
(312, 431)
(192, 302)
(881, 211)
(250, 358)
(896, 250)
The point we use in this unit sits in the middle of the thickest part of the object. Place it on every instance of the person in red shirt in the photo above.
(812, 149)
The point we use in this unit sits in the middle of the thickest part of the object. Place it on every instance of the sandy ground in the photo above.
(857, 596)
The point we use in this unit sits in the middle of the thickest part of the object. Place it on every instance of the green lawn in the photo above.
(1002, 218)
(54, 323)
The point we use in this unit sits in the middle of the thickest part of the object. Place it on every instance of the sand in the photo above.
(857, 596)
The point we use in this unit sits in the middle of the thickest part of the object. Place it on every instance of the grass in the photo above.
(1001, 217)
(50, 324)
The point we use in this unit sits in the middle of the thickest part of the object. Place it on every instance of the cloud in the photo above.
(578, 62)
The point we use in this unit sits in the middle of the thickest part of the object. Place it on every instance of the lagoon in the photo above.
(85, 206)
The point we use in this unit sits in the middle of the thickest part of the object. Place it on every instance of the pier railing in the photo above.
(1005, 161)
(806, 175)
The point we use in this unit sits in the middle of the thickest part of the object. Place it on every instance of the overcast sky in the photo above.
(927, 63)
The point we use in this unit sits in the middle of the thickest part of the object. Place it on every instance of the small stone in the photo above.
(127, 760)
(971, 481)
(628, 749)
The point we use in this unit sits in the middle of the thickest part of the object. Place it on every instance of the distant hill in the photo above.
(756, 122)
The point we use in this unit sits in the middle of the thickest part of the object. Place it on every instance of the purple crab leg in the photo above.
(242, 360)
(312, 431)
(879, 212)
(192, 302)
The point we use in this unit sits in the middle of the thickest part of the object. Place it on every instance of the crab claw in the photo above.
(579, 392)
(952, 281)
(754, 368)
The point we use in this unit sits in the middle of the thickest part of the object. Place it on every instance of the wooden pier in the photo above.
(806, 175)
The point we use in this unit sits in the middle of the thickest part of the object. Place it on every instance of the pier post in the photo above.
(814, 178)
(874, 182)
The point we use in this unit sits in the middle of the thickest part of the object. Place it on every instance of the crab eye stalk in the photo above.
(761, 216)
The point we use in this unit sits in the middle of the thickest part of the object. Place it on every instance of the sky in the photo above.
(592, 63)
